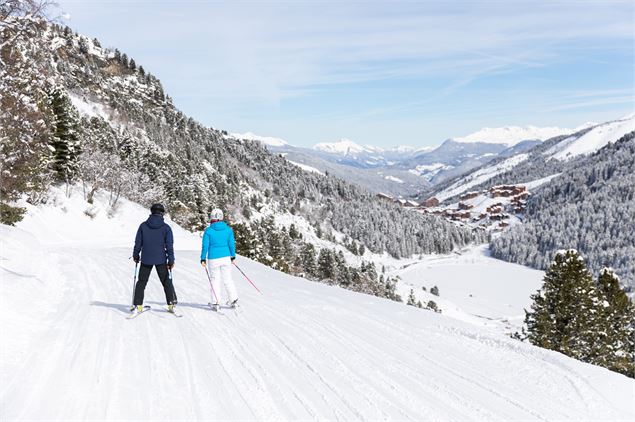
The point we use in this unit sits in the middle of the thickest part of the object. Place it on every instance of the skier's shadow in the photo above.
(119, 307)
(193, 305)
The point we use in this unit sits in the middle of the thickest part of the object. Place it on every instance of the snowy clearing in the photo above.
(302, 350)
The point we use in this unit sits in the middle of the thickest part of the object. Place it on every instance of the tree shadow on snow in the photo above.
(118, 306)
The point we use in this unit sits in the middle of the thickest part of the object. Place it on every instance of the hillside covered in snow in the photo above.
(301, 350)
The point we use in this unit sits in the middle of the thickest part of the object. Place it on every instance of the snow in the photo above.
(267, 140)
(393, 179)
(300, 351)
(596, 138)
(306, 168)
(480, 176)
(511, 135)
(345, 147)
(534, 184)
(89, 108)
(474, 287)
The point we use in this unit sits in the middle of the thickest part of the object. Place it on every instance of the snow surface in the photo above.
(480, 176)
(593, 140)
(511, 135)
(301, 350)
(89, 108)
(474, 287)
(306, 168)
(267, 140)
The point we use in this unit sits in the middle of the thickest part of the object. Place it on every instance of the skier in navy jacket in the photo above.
(154, 246)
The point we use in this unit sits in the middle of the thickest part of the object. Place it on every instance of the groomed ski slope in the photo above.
(302, 350)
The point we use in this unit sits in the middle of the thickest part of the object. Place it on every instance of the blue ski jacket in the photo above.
(218, 241)
(154, 241)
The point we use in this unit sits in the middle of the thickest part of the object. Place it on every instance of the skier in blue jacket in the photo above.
(154, 247)
(218, 252)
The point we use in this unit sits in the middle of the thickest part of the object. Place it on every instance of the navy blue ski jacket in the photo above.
(154, 241)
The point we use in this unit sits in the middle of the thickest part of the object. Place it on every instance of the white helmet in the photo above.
(216, 214)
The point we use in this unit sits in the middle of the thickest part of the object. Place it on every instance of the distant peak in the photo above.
(345, 146)
(511, 135)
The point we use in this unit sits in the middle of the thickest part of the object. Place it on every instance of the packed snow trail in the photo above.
(302, 350)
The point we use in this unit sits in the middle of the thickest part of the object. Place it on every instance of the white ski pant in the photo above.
(220, 271)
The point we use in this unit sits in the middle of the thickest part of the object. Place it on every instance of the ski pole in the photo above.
(245, 275)
(134, 282)
(210, 285)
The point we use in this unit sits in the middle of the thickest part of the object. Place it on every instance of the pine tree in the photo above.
(412, 300)
(435, 291)
(65, 139)
(132, 64)
(308, 259)
(618, 351)
(326, 265)
(564, 314)
(124, 59)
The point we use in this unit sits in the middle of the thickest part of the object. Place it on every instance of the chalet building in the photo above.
(506, 191)
(431, 202)
(384, 197)
(469, 195)
(494, 208)
(498, 216)
(464, 206)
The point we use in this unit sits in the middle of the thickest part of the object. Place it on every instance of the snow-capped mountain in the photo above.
(592, 140)
(511, 135)
(345, 147)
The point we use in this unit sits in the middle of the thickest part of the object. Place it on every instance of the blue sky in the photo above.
(379, 73)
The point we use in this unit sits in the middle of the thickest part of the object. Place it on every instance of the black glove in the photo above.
(170, 266)
(135, 259)
(233, 258)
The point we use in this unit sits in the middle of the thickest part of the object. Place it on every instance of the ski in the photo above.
(135, 314)
(174, 312)
(216, 308)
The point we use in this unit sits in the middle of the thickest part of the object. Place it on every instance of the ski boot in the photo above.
(232, 304)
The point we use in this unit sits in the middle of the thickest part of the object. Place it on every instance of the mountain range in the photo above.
(407, 170)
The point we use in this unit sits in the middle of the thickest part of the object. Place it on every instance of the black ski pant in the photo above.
(144, 275)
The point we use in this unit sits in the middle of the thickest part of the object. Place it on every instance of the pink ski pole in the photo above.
(245, 275)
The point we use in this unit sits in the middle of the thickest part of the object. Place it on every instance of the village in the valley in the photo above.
(493, 209)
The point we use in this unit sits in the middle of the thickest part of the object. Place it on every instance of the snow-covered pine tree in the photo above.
(326, 265)
(308, 260)
(618, 351)
(412, 300)
(65, 139)
(564, 315)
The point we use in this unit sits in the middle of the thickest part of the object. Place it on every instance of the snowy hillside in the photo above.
(511, 135)
(266, 140)
(480, 176)
(591, 141)
(301, 350)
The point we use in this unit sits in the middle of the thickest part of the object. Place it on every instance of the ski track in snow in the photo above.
(300, 351)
